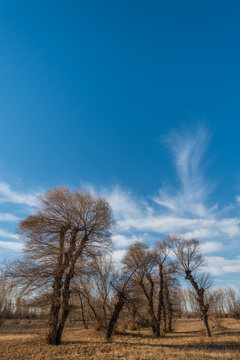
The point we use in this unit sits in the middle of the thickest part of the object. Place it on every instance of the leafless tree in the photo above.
(123, 288)
(170, 284)
(6, 306)
(218, 302)
(233, 303)
(138, 254)
(191, 261)
(150, 277)
(67, 225)
(92, 284)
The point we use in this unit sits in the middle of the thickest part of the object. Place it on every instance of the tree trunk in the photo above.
(164, 318)
(160, 300)
(85, 324)
(205, 319)
(203, 307)
(61, 289)
(53, 337)
(56, 294)
(117, 309)
(169, 306)
(155, 324)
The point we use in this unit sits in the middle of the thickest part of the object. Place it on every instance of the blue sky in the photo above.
(136, 100)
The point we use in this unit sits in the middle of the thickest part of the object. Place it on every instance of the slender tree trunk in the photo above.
(155, 324)
(205, 319)
(56, 295)
(117, 309)
(160, 299)
(85, 324)
(169, 306)
(164, 318)
(203, 307)
(87, 297)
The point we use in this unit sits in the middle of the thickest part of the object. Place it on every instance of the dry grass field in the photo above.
(186, 342)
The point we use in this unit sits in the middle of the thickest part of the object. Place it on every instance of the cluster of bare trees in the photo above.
(66, 269)
(6, 308)
(223, 303)
(11, 306)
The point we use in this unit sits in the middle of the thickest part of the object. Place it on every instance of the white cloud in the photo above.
(219, 266)
(211, 246)
(121, 241)
(187, 149)
(122, 202)
(8, 217)
(7, 195)
(11, 245)
(6, 234)
(118, 255)
(238, 198)
(198, 227)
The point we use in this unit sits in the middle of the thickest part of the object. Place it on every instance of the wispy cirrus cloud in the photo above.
(187, 148)
(7, 195)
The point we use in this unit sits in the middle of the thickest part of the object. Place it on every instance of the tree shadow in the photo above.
(198, 346)
(132, 334)
(229, 332)
(208, 346)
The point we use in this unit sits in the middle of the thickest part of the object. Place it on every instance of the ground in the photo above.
(21, 342)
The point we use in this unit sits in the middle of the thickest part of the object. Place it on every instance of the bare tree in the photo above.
(123, 293)
(136, 255)
(92, 283)
(66, 225)
(233, 303)
(6, 306)
(170, 286)
(191, 261)
(150, 278)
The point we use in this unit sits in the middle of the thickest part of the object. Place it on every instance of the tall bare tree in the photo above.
(191, 261)
(67, 225)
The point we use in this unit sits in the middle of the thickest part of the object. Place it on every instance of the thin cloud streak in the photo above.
(218, 265)
(8, 217)
(200, 228)
(7, 195)
(11, 245)
(8, 235)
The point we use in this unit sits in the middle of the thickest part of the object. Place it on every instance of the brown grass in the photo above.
(186, 342)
